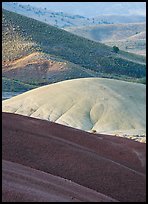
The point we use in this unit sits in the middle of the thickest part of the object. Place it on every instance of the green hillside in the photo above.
(22, 35)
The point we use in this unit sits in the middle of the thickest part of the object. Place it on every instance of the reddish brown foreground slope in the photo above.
(109, 165)
(30, 185)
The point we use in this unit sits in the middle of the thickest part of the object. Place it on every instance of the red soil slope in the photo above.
(30, 185)
(109, 165)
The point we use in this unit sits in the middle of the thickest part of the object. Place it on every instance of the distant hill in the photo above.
(64, 20)
(129, 37)
(22, 37)
(58, 19)
(113, 19)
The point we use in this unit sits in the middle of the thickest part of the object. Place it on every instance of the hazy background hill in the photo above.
(43, 46)
(110, 32)
(100, 25)
(93, 9)
(130, 37)
(105, 14)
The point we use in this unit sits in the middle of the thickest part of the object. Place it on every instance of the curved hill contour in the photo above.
(91, 104)
(113, 166)
(109, 32)
(129, 37)
(28, 184)
(24, 37)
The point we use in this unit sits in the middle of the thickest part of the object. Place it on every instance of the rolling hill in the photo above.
(129, 37)
(91, 104)
(41, 180)
(42, 69)
(65, 20)
(80, 134)
(23, 37)
(68, 164)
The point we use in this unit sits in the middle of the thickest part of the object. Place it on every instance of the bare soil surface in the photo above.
(112, 166)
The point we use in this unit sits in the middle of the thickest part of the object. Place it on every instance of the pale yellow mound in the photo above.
(91, 104)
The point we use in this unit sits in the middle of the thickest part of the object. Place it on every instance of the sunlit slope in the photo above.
(41, 69)
(23, 36)
(91, 104)
(109, 32)
(130, 37)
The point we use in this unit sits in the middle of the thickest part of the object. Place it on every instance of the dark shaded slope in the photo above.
(112, 166)
(10, 85)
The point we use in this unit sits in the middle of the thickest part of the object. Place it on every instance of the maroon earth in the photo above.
(31, 185)
(112, 166)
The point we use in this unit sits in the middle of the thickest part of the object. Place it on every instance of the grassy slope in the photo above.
(15, 85)
(50, 40)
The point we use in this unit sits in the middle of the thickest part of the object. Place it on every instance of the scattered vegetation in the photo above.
(121, 35)
(115, 49)
(26, 35)
(10, 85)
